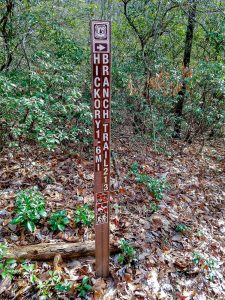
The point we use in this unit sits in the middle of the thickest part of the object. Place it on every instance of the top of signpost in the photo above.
(101, 35)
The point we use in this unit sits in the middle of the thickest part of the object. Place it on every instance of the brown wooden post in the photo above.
(101, 103)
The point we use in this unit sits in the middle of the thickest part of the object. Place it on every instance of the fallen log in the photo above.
(47, 251)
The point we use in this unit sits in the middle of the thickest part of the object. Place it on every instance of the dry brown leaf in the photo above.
(56, 263)
(68, 237)
(157, 222)
(5, 284)
(99, 288)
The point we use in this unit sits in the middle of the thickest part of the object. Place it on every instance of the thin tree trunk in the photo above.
(186, 63)
(6, 34)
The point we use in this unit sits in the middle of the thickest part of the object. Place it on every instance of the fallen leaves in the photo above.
(99, 288)
(5, 284)
(164, 268)
(159, 222)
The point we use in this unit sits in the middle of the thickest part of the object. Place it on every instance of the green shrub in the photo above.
(44, 106)
(47, 288)
(181, 227)
(7, 266)
(29, 272)
(212, 264)
(197, 257)
(30, 207)
(84, 287)
(52, 285)
(134, 168)
(154, 185)
(58, 220)
(154, 207)
(127, 252)
(84, 215)
(208, 265)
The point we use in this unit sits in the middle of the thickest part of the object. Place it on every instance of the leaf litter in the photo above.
(167, 264)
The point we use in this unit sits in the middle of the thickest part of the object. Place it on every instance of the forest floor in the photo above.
(171, 262)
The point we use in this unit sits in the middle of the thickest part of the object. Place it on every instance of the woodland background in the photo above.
(167, 72)
(167, 170)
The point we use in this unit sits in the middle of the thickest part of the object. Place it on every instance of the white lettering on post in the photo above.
(105, 58)
(105, 114)
(97, 82)
(105, 103)
(106, 82)
(97, 124)
(97, 114)
(96, 58)
(106, 93)
(105, 70)
(96, 93)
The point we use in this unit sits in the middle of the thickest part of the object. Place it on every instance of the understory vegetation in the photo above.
(168, 72)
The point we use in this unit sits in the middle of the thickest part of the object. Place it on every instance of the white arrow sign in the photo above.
(100, 47)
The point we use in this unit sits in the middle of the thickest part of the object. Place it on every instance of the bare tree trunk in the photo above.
(186, 62)
(6, 34)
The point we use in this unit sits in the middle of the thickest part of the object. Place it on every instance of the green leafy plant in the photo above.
(58, 220)
(3, 250)
(84, 287)
(197, 257)
(154, 185)
(7, 266)
(47, 288)
(165, 151)
(64, 286)
(84, 215)
(53, 284)
(181, 228)
(154, 207)
(209, 265)
(29, 271)
(30, 208)
(134, 168)
(127, 252)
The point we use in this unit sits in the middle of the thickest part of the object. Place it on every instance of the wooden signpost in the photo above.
(101, 98)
